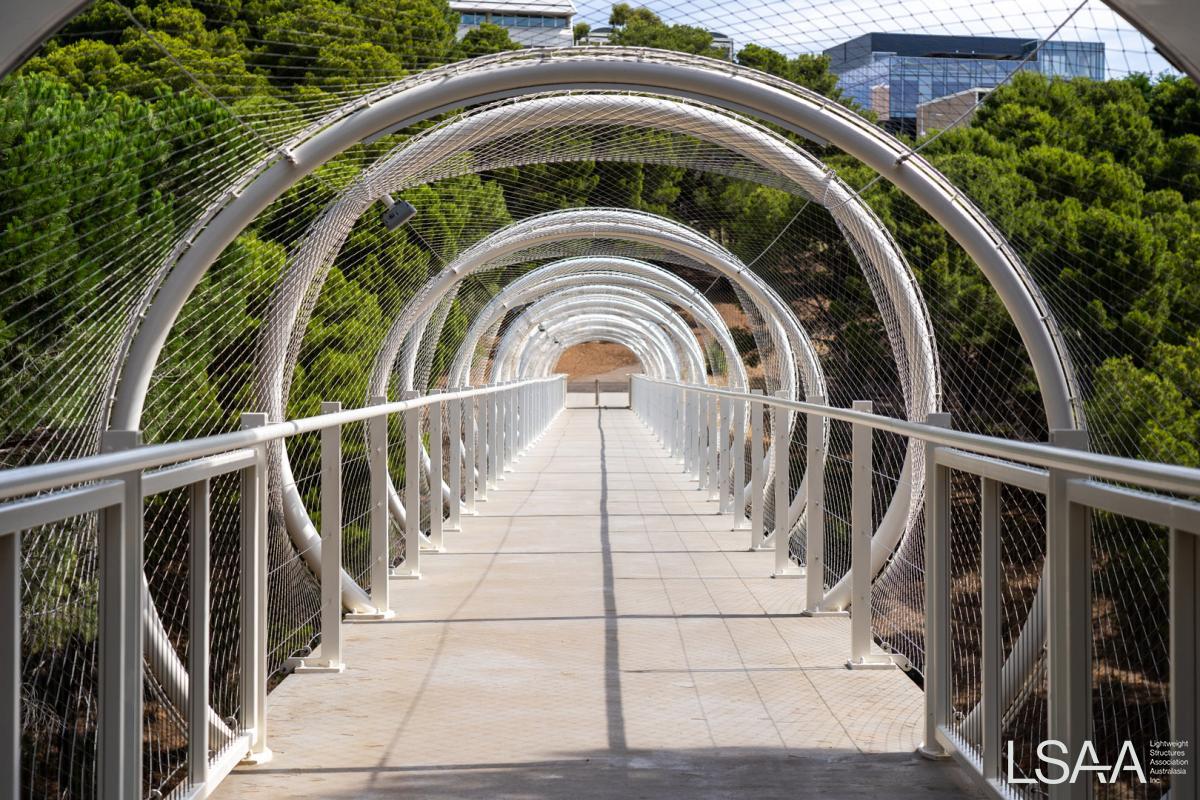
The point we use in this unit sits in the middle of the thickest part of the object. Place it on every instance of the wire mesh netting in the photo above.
(129, 131)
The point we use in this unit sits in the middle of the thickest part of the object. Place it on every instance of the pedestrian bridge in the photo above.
(598, 629)
(295, 500)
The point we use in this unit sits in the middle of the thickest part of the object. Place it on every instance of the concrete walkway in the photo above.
(597, 632)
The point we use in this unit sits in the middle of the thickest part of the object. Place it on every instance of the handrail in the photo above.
(42, 477)
(1059, 620)
(115, 486)
(1152, 474)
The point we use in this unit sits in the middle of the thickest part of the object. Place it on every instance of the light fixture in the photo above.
(396, 212)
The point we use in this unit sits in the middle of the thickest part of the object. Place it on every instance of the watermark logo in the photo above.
(1087, 763)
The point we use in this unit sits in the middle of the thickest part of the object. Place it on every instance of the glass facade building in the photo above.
(891, 73)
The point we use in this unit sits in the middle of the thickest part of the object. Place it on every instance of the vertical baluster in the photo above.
(455, 410)
(714, 448)
(380, 519)
(120, 656)
(331, 547)
(758, 471)
(10, 665)
(481, 446)
(814, 543)
(991, 641)
(724, 497)
(862, 527)
(435, 477)
(937, 594)
(1069, 616)
(1185, 656)
(470, 467)
(198, 634)
(781, 435)
(412, 489)
(495, 437)
(739, 464)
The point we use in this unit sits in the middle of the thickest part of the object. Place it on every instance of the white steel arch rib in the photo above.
(587, 301)
(657, 343)
(523, 73)
(789, 337)
(544, 298)
(606, 271)
(427, 155)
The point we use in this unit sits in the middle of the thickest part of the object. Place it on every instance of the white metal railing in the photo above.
(489, 425)
(1074, 482)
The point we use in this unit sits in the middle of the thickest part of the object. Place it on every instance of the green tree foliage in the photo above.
(1097, 182)
(811, 71)
(640, 27)
(484, 40)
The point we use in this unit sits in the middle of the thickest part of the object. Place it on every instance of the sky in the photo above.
(808, 26)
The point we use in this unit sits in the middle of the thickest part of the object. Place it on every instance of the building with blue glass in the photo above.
(532, 23)
(893, 73)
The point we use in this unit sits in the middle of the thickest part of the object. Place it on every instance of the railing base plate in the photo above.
(314, 666)
(404, 575)
(373, 616)
(252, 759)
(873, 661)
(937, 754)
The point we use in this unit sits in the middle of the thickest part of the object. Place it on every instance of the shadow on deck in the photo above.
(597, 631)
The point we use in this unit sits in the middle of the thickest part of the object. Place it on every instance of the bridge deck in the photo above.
(597, 631)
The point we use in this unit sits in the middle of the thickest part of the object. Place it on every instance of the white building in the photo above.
(529, 22)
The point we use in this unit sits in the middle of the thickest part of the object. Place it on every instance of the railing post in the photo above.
(119, 730)
(862, 526)
(10, 665)
(481, 446)
(679, 401)
(1185, 656)
(714, 449)
(331, 548)
(781, 438)
(739, 464)
(494, 428)
(724, 451)
(254, 598)
(412, 489)
(455, 410)
(198, 634)
(758, 477)
(510, 450)
(597, 393)
(435, 477)
(702, 436)
(1069, 616)
(500, 429)
(380, 519)
(469, 466)
(522, 418)
(991, 634)
(937, 594)
(814, 543)
(689, 431)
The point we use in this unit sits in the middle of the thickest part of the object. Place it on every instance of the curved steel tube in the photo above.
(599, 271)
(587, 301)
(526, 72)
